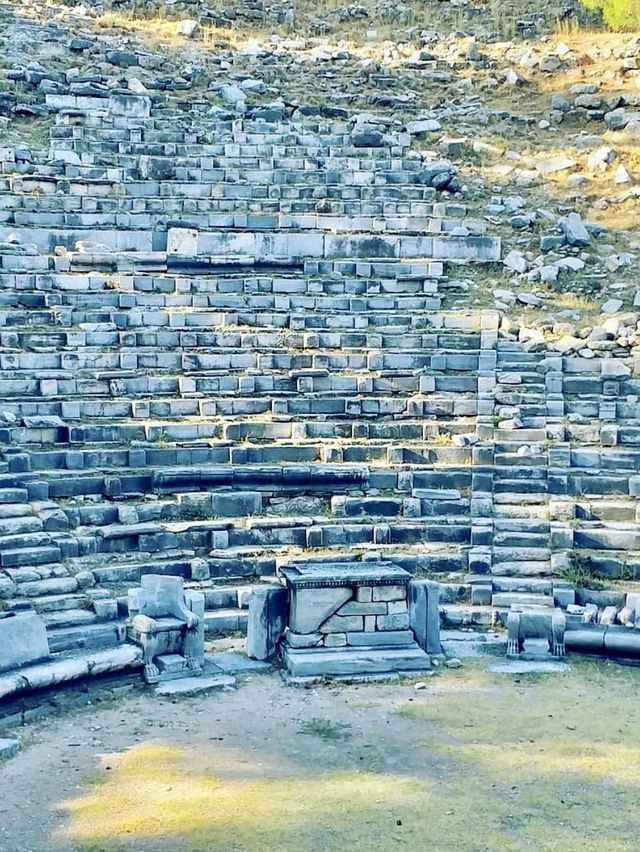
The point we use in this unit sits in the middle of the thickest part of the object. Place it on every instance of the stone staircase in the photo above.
(295, 386)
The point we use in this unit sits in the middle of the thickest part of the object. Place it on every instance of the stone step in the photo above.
(129, 573)
(69, 618)
(536, 487)
(518, 437)
(12, 527)
(469, 643)
(93, 636)
(527, 585)
(521, 525)
(17, 511)
(528, 568)
(464, 615)
(507, 460)
(518, 473)
(13, 495)
(607, 510)
(535, 554)
(514, 539)
(221, 621)
(509, 498)
(41, 589)
(351, 662)
(513, 511)
(54, 603)
(505, 600)
(24, 556)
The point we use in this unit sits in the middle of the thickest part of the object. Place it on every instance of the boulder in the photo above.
(574, 230)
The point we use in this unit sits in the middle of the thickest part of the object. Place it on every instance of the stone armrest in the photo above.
(146, 624)
(182, 611)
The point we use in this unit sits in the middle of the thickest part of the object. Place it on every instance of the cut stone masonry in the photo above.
(225, 343)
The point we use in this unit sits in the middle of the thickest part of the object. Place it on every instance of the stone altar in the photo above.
(349, 620)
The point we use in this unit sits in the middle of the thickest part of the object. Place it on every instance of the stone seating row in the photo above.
(143, 122)
(365, 247)
(231, 207)
(219, 184)
(326, 278)
(297, 206)
(53, 215)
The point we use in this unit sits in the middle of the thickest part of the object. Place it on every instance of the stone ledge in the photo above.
(321, 662)
(70, 668)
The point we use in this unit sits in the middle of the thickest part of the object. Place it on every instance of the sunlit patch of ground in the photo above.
(154, 791)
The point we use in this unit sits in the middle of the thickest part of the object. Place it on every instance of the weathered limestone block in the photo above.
(182, 241)
(342, 624)
(424, 611)
(8, 748)
(23, 640)
(267, 621)
(398, 621)
(389, 593)
(136, 106)
(381, 639)
(354, 607)
(302, 640)
(310, 607)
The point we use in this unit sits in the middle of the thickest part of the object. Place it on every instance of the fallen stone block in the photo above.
(8, 748)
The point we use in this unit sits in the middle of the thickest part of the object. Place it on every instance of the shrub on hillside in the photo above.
(617, 14)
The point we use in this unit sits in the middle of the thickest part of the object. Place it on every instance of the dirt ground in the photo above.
(473, 761)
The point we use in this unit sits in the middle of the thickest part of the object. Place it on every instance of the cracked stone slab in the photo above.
(187, 686)
(519, 667)
(235, 662)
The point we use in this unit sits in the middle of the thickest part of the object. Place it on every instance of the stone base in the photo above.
(536, 651)
(353, 662)
(167, 667)
(359, 679)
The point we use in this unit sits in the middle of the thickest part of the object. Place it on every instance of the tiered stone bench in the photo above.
(227, 342)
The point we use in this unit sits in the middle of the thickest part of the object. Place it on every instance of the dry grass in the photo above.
(561, 751)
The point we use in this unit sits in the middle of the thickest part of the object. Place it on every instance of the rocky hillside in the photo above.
(536, 111)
